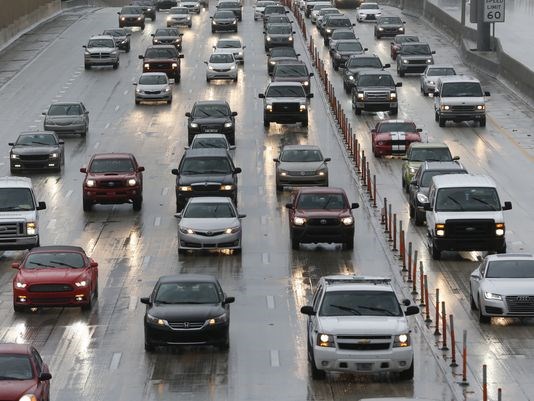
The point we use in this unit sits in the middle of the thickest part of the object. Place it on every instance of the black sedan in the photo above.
(121, 36)
(223, 21)
(211, 117)
(36, 151)
(187, 309)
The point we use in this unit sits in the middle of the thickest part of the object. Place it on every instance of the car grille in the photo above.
(377, 96)
(463, 108)
(470, 229)
(50, 288)
(186, 325)
(131, 19)
(100, 55)
(286, 107)
(49, 301)
(152, 92)
(209, 233)
(390, 30)
(300, 173)
(33, 157)
(520, 304)
(160, 65)
(363, 343)
(169, 41)
(111, 184)
(420, 61)
(11, 229)
(370, 16)
(206, 187)
(221, 70)
(323, 222)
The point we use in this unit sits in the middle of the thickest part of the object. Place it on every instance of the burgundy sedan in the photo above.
(23, 374)
(392, 137)
(55, 276)
(398, 41)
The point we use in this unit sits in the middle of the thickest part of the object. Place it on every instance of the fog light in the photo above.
(324, 363)
(22, 298)
(78, 298)
(402, 363)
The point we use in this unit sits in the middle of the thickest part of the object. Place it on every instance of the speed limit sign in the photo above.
(493, 11)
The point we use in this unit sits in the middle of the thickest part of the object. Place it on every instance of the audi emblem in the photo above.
(523, 299)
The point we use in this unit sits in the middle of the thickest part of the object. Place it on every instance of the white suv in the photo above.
(356, 324)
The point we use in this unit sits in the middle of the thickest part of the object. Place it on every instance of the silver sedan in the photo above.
(67, 118)
(209, 223)
(431, 75)
(153, 86)
(503, 286)
(301, 165)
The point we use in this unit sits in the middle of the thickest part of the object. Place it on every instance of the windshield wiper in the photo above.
(41, 143)
(377, 309)
(56, 262)
(346, 308)
(482, 201)
(455, 201)
(39, 264)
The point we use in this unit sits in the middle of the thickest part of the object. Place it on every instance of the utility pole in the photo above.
(483, 29)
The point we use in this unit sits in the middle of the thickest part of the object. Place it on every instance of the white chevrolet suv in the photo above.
(356, 324)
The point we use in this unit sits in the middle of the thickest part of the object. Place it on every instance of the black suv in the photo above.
(357, 63)
(168, 36)
(420, 184)
(131, 16)
(205, 172)
(210, 117)
(121, 36)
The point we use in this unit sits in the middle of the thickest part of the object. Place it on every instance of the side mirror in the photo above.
(205, 62)
(398, 84)
(186, 147)
(327, 159)
(61, 142)
(214, 47)
(311, 74)
(11, 144)
(140, 169)
(245, 46)
(93, 264)
(261, 96)
(433, 52)
(276, 160)
(353, 24)
(232, 147)
(237, 170)
(354, 205)
(141, 57)
(41, 206)
(307, 310)
(289, 206)
(411, 310)
(365, 49)
(43, 113)
(404, 22)
(174, 171)
(487, 93)
(83, 170)
(293, 32)
(373, 129)
(436, 93)
(118, 12)
(392, 43)
(413, 182)
(44, 376)
(84, 46)
(309, 95)
(298, 54)
(145, 300)
(456, 158)
(427, 207)
(229, 300)
(188, 114)
(152, 35)
(15, 265)
(234, 113)
(386, 65)
(180, 56)
(406, 302)
(241, 216)
(507, 205)
(419, 129)
(134, 83)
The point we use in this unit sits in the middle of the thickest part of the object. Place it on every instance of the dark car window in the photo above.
(364, 303)
(397, 127)
(335, 22)
(167, 32)
(336, 35)
(321, 201)
(179, 10)
(15, 367)
(42, 260)
(440, 72)
(430, 154)
(153, 79)
(510, 269)
(161, 53)
(461, 89)
(350, 46)
(369, 7)
(364, 62)
(211, 110)
(65, 110)
(132, 10)
(410, 49)
(111, 166)
(290, 70)
(375, 80)
(187, 293)
(36, 140)
(283, 52)
(206, 165)
(224, 14)
(472, 199)
(228, 44)
(278, 19)
(279, 29)
(301, 155)
(19, 199)
(406, 39)
(221, 58)
(202, 143)
(390, 21)
(426, 180)
(208, 210)
(285, 91)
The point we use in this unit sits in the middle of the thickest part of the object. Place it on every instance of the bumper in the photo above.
(50, 299)
(316, 234)
(286, 118)
(366, 17)
(160, 96)
(371, 106)
(35, 164)
(465, 244)
(230, 74)
(229, 27)
(163, 335)
(298, 180)
(195, 241)
(387, 149)
(501, 308)
(390, 33)
(462, 116)
(183, 197)
(99, 61)
(178, 23)
(131, 23)
(76, 128)
(171, 73)
(115, 196)
(19, 243)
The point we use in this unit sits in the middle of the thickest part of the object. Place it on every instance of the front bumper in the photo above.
(164, 335)
(131, 22)
(315, 234)
(72, 128)
(377, 106)
(19, 243)
(77, 297)
(286, 118)
(511, 306)
(101, 61)
(462, 116)
(181, 22)
(18, 164)
(111, 196)
(229, 74)
(171, 72)
(158, 96)
(203, 242)
(466, 244)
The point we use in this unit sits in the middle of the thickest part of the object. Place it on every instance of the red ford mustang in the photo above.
(23, 374)
(55, 276)
(392, 137)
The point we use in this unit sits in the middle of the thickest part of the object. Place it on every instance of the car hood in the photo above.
(468, 101)
(221, 66)
(152, 87)
(416, 56)
(363, 325)
(186, 312)
(301, 166)
(285, 99)
(508, 286)
(396, 26)
(302, 78)
(160, 60)
(54, 275)
(396, 134)
(14, 389)
(34, 150)
(213, 224)
(444, 216)
(18, 215)
(369, 11)
(110, 176)
(210, 120)
(224, 19)
(321, 213)
(206, 178)
(100, 49)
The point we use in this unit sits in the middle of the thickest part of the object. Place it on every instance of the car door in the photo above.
(476, 278)
(312, 319)
(430, 214)
(414, 186)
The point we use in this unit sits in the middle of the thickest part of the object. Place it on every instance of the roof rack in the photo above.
(351, 279)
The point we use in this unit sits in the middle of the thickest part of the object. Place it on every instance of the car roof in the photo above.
(463, 180)
(187, 278)
(208, 102)
(356, 283)
(112, 156)
(509, 256)
(458, 78)
(322, 190)
(216, 152)
(15, 182)
(60, 248)
(210, 199)
(289, 83)
(300, 147)
(442, 166)
(12, 348)
(428, 145)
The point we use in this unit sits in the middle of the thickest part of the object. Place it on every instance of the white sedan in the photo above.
(368, 12)
(221, 66)
(503, 286)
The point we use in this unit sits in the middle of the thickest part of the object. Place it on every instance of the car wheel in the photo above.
(325, 41)
(483, 122)
(190, 25)
(304, 123)
(149, 347)
(472, 300)
(394, 111)
(137, 203)
(401, 73)
(225, 344)
(231, 139)
(177, 78)
(19, 309)
(208, 80)
(412, 211)
(266, 123)
(87, 205)
(419, 218)
(335, 66)
(407, 374)
(349, 245)
(138, 102)
(502, 250)
(169, 101)
(436, 253)
(376, 154)
(127, 50)
(357, 111)
(436, 116)
(295, 244)
(235, 79)
(212, 30)
(317, 374)
(84, 133)
(481, 317)
(87, 66)
(441, 121)
(143, 27)
(88, 306)
(153, 17)
(115, 66)
(182, 251)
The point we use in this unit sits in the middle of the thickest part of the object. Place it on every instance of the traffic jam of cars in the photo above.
(355, 323)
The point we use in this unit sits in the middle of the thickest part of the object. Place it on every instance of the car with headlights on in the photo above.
(280, 54)
(301, 165)
(503, 286)
(223, 21)
(340, 34)
(121, 36)
(211, 117)
(231, 46)
(286, 103)
(321, 215)
(393, 137)
(101, 51)
(163, 58)
(55, 275)
(431, 75)
(259, 7)
(389, 26)
(112, 178)
(187, 309)
(168, 36)
(231, 5)
(209, 141)
(148, 6)
(397, 41)
(23, 374)
(67, 118)
(331, 23)
(132, 16)
(205, 172)
(277, 35)
(357, 63)
(153, 86)
(356, 324)
(209, 223)
(343, 49)
(375, 90)
(292, 71)
(179, 16)
(414, 57)
(318, 6)
(36, 151)
(192, 5)
(368, 12)
(221, 66)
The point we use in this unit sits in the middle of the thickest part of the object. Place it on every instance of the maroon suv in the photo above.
(321, 215)
(162, 58)
(112, 178)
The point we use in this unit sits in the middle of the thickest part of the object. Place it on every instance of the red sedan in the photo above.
(392, 137)
(55, 276)
(23, 374)
(398, 41)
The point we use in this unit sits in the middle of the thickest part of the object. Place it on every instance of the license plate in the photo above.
(364, 366)
(214, 130)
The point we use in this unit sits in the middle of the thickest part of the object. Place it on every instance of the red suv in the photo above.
(321, 215)
(23, 374)
(55, 276)
(112, 178)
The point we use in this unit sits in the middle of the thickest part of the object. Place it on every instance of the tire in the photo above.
(349, 245)
(394, 111)
(143, 27)
(295, 244)
(335, 66)
(208, 80)
(182, 251)
(419, 219)
(266, 123)
(436, 253)
(177, 78)
(87, 307)
(304, 123)
(502, 250)
(226, 343)
(231, 139)
(212, 30)
(153, 18)
(19, 309)
(401, 73)
(84, 133)
(346, 88)
(481, 317)
(169, 101)
(483, 122)
(412, 211)
(115, 66)
(149, 347)
(472, 300)
(127, 50)
(87, 66)
(436, 116)
(137, 204)
(235, 79)
(279, 188)
(138, 102)
(87, 205)
(376, 154)
(316, 374)
(357, 111)
(325, 41)
(441, 121)
(407, 374)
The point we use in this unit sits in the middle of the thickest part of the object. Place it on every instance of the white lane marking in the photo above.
(107, 125)
(96, 145)
(165, 191)
(157, 221)
(33, 126)
(146, 261)
(62, 92)
(190, 91)
(275, 359)
(115, 360)
(117, 107)
(68, 195)
(59, 96)
(263, 220)
(126, 92)
(265, 258)
(72, 79)
(270, 302)
(133, 303)
(51, 224)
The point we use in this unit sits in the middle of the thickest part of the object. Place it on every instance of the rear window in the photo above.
(65, 110)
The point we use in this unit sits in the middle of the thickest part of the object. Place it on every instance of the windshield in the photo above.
(343, 35)
(390, 21)
(115, 32)
(202, 143)
(334, 22)
(111, 166)
(279, 29)
(179, 10)
(224, 14)
(65, 110)
(364, 62)
(187, 293)
(93, 43)
(470, 199)
(206, 165)
(440, 72)
(153, 79)
(349, 47)
(329, 11)
(132, 10)
(406, 39)
(42, 260)
(221, 58)
(510, 269)
(167, 32)
(275, 10)
(430, 154)
(301, 155)
(283, 52)
(285, 91)
(369, 7)
(211, 110)
(461, 89)
(228, 4)
(415, 49)
(229, 44)
(427, 176)
(397, 127)
(161, 53)
(364, 303)
(318, 7)
(209, 211)
(16, 199)
(278, 19)
(321, 201)
(37, 139)
(285, 70)
(15, 367)
(375, 80)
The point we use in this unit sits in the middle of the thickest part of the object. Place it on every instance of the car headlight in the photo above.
(351, 77)
(302, 107)
(481, 107)
(148, 9)
(429, 60)
(132, 182)
(179, 40)
(422, 198)
(90, 183)
(412, 170)
(499, 229)
(193, 125)
(169, 18)
(232, 67)
(167, 89)
(325, 340)
(347, 220)
(328, 30)
(401, 29)
(82, 283)
(14, 156)
(227, 187)
(114, 52)
(123, 18)
(147, 66)
(231, 230)
(234, 22)
(306, 83)
(31, 228)
(186, 230)
(392, 95)
(491, 295)
(155, 320)
(299, 221)
(431, 83)
(380, 29)
(360, 95)
(402, 340)
(405, 61)
(228, 125)
(268, 38)
(139, 18)
(282, 172)
(185, 188)
(188, 17)
(213, 23)
(28, 397)
(445, 107)
(290, 38)
(54, 155)
(240, 53)
(440, 230)
(219, 319)
(87, 54)
(269, 107)
(272, 62)
(20, 284)
(174, 65)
